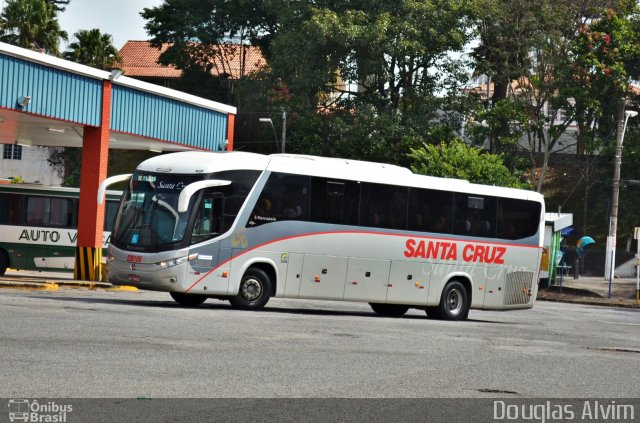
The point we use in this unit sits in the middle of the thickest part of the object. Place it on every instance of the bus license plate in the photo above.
(133, 278)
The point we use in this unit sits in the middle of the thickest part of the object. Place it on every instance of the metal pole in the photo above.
(613, 217)
(284, 129)
(638, 273)
(611, 274)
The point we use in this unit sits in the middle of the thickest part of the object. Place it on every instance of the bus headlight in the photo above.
(174, 262)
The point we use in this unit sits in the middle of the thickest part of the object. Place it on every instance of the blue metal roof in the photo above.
(54, 93)
(138, 112)
(71, 92)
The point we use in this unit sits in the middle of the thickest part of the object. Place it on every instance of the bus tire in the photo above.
(188, 300)
(454, 303)
(255, 290)
(4, 262)
(389, 310)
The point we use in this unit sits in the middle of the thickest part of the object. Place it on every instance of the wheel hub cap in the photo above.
(251, 289)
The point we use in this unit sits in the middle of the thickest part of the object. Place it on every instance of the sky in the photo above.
(120, 18)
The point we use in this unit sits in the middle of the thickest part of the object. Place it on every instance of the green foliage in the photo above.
(606, 57)
(93, 48)
(17, 180)
(31, 24)
(457, 160)
(59, 5)
(357, 78)
(66, 162)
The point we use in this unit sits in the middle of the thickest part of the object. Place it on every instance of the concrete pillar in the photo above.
(230, 127)
(95, 155)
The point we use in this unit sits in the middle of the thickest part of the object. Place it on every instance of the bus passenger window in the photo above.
(430, 210)
(475, 215)
(61, 212)
(383, 206)
(38, 211)
(10, 209)
(284, 197)
(517, 219)
(334, 201)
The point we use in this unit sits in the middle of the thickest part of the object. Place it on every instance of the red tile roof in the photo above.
(140, 59)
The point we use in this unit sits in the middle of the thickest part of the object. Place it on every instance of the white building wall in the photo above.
(32, 167)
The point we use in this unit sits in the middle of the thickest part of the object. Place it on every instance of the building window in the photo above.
(12, 152)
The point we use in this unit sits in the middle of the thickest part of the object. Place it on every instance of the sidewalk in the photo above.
(593, 291)
(51, 281)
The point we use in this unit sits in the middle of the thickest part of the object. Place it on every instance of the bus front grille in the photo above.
(518, 288)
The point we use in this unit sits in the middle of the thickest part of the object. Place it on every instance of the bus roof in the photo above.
(190, 162)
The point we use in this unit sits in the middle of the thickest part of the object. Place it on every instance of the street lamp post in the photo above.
(284, 129)
(623, 118)
(270, 122)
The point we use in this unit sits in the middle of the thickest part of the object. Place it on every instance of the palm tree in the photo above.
(93, 49)
(59, 5)
(32, 24)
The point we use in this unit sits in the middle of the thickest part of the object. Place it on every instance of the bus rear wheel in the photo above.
(254, 292)
(188, 300)
(4, 263)
(389, 310)
(454, 303)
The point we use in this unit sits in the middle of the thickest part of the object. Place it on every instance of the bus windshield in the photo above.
(148, 215)
(148, 219)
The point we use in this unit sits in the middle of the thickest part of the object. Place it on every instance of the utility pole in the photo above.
(623, 117)
(284, 128)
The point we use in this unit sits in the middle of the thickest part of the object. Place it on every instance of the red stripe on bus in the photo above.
(348, 233)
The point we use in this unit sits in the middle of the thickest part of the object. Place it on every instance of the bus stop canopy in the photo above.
(48, 101)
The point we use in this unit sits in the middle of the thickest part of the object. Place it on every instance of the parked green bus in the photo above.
(38, 226)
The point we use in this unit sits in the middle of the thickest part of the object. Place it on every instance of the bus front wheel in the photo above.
(454, 303)
(255, 290)
(389, 310)
(188, 300)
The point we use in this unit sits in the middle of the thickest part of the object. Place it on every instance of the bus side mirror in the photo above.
(189, 190)
(102, 189)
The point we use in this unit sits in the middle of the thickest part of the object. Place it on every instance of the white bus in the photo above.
(38, 226)
(246, 227)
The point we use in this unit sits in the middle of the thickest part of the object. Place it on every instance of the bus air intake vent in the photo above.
(518, 288)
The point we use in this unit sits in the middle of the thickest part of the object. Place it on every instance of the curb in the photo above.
(84, 284)
(594, 302)
(54, 285)
(46, 286)
(122, 288)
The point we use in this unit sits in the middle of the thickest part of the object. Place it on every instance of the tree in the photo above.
(31, 24)
(60, 5)
(93, 48)
(458, 160)
(606, 57)
(66, 162)
(373, 75)
(527, 49)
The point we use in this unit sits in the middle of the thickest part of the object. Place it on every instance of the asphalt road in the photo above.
(80, 343)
